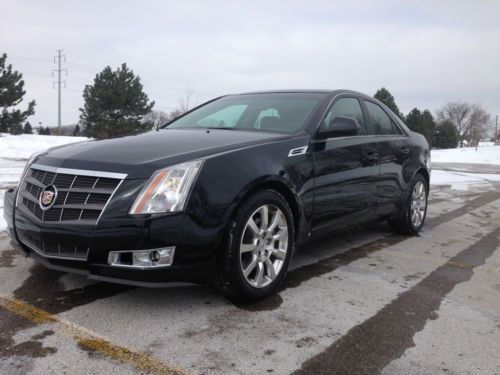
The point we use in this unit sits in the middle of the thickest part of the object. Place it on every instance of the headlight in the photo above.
(168, 189)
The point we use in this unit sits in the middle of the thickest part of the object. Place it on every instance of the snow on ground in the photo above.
(22, 146)
(462, 180)
(487, 154)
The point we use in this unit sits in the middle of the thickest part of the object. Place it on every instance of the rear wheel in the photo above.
(413, 215)
(260, 244)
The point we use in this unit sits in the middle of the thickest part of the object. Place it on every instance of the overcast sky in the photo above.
(425, 52)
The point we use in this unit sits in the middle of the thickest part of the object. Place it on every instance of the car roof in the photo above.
(305, 91)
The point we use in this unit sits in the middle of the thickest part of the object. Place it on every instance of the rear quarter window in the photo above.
(381, 122)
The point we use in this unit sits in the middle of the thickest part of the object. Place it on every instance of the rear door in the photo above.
(346, 171)
(394, 150)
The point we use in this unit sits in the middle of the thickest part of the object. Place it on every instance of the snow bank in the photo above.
(484, 155)
(22, 146)
(15, 150)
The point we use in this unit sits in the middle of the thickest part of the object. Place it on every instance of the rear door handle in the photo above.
(405, 150)
(372, 156)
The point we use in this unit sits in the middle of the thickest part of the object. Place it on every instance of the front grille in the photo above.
(81, 195)
(53, 249)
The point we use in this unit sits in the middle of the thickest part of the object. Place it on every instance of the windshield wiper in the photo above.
(221, 128)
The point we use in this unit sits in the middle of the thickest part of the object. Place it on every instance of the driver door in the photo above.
(346, 170)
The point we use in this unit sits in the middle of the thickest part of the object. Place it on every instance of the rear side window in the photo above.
(346, 107)
(381, 122)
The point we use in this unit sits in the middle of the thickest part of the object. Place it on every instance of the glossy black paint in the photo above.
(337, 183)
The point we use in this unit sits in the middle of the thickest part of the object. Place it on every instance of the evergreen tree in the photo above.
(446, 135)
(47, 131)
(76, 132)
(27, 129)
(115, 105)
(386, 97)
(41, 130)
(11, 95)
(421, 122)
(16, 129)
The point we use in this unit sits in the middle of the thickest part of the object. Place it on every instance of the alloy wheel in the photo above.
(418, 204)
(264, 246)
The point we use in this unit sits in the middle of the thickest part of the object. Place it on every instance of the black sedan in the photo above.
(225, 192)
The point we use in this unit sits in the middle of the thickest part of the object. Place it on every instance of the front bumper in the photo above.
(194, 256)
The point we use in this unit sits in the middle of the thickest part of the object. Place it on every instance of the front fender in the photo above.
(227, 179)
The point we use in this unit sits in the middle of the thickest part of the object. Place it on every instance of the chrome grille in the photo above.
(82, 195)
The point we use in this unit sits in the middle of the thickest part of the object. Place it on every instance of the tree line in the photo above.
(456, 123)
(115, 104)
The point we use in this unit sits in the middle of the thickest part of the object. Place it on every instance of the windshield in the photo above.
(276, 112)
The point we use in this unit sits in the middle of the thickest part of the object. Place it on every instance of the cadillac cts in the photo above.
(225, 192)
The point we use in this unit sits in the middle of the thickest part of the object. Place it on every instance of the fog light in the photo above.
(154, 256)
(142, 259)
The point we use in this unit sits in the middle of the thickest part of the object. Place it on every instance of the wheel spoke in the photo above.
(413, 216)
(264, 217)
(260, 274)
(253, 227)
(270, 269)
(245, 248)
(281, 234)
(279, 253)
(250, 267)
(274, 221)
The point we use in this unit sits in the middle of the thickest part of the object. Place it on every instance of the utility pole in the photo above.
(59, 83)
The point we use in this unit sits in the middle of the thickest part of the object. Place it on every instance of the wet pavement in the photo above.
(364, 301)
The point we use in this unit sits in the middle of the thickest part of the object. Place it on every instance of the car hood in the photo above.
(140, 155)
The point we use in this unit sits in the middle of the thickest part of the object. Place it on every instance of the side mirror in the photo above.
(341, 127)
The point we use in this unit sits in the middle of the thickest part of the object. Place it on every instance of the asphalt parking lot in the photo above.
(363, 301)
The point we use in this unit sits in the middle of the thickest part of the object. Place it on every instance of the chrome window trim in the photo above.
(82, 172)
(359, 98)
(361, 136)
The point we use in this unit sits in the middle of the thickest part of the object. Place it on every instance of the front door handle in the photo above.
(404, 150)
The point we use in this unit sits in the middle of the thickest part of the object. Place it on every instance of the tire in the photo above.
(256, 257)
(407, 223)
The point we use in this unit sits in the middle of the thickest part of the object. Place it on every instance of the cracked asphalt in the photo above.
(365, 301)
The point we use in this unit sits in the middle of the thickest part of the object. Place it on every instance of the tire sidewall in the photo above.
(232, 270)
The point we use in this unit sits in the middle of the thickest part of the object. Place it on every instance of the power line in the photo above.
(59, 83)
(29, 59)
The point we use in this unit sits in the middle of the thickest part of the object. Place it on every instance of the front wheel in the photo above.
(259, 248)
(413, 215)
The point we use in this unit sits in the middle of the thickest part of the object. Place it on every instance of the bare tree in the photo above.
(186, 101)
(156, 118)
(468, 119)
(480, 120)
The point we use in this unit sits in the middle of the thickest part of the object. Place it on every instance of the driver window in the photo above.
(345, 107)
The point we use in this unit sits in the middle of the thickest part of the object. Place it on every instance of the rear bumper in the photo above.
(193, 262)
